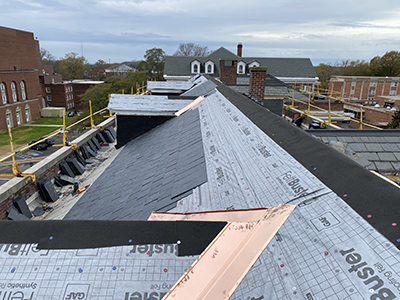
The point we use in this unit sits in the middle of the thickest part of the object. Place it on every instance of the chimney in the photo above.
(227, 70)
(257, 83)
(239, 49)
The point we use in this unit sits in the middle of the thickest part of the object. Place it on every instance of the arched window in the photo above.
(27, 113)
(18, 115)
(3, 93)
(9, 118)
(209, 69)
(14, 91)
(23, 93)
(241, 67)
(195, 67)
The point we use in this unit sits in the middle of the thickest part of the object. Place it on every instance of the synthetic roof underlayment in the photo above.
(339, 243)
(144, 105)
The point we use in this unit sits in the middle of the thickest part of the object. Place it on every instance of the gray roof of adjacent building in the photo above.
(277, 66)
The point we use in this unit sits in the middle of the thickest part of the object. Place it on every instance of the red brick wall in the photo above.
(228, 70)
(19, 49)
(257, 82)
(374, 116)
(363, 86)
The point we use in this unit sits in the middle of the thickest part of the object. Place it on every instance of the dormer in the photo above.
(209, 66)
(241, 67)
(254, 63)
(195, 67)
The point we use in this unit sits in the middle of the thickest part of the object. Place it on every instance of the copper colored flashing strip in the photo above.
(222, 266)
(189, 106)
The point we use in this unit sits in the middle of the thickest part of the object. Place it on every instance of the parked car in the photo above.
(42, 145)
(71, 113)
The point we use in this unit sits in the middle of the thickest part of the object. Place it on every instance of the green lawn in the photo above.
(24, 134)
(54, 121)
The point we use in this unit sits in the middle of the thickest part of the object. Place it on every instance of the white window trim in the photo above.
(254, 64)
(243, 64)
(27, 113)
(3, 93)
(193, 63)
(209, 64)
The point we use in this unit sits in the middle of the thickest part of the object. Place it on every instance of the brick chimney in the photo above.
(239, 49)
(227, 70)
(257, 82)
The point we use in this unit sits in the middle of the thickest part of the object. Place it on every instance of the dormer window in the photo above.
(254, 64)
(209, 67)
(241, 67)
(195, 66)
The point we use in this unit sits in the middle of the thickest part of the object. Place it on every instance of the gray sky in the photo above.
(122, 30)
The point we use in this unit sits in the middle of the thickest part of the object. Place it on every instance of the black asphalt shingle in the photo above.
(151, 173)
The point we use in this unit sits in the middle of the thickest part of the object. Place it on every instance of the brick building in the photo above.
(20, 91)
(80, 86)
(364, 88)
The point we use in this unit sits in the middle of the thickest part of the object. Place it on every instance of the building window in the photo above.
(18, 115)
(394, 84)
(9, 118)
(254, 64)
(48, 98)
(72, 96)
(48, 90)
(195, 67)
(370, 98)
(392, 92)
(3, 93)
(52, 80)
(372, 83)
(209, 67)
(27, 113)
(14, 91)
(352, 92)
(353, 83)
(23, 92)
(372, 92)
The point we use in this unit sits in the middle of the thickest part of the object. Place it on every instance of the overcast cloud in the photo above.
(122, 30)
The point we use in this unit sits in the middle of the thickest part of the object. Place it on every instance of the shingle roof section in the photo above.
(149, 174)
(201, 90)
(379, 147)
(277, 66)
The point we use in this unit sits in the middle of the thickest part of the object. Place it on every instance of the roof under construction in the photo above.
(227, 153)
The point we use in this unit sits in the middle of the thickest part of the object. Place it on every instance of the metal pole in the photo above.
(361, 117)
(292, 97)
(14, 165)
(309, 103)
(329, 119)
(64, 133)
(91, 115)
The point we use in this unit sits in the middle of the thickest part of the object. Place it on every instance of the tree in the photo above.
(354, 68)
(97, 71)
(73, 66)
(394, 123)
(387, 65)
(324, 72)
(190, 49)
(98, 94)
(153, 64)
